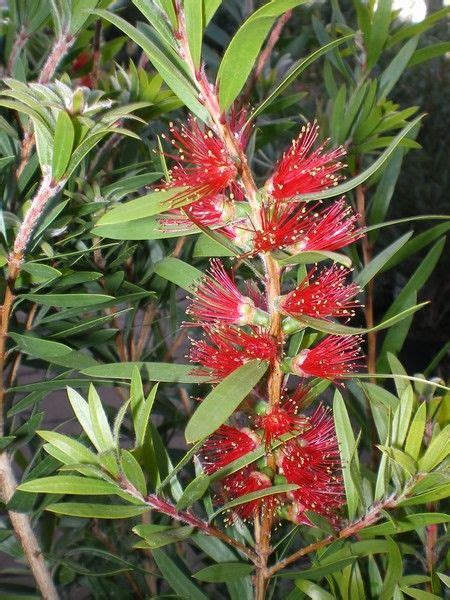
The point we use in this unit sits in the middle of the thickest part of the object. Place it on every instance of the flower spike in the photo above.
(328, 230)
(245, 482)
(226, 445)
(303, 170)
(218, 299)
(203, 164)
(311, 461)
(332, 358)
(230, 348)
(322, 296)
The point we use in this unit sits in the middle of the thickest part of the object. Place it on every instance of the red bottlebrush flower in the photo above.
(282, 419)
(218, 299)
(230, 348)
(333, 357)
(245, 482)
(281, 225)
(204, 166)
(303, 170)
(330, 229)
(327, 295)
(226, 445)
(312, 462)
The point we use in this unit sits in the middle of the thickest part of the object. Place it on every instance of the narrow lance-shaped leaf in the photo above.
(244, 48)
(295, 71)
(62, 144)
(224, 400)
(351, 184)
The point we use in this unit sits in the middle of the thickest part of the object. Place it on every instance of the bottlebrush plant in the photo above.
(270, 492)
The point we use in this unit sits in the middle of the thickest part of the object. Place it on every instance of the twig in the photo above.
(353, 528)
(21, 522)
(60, 48)
(166, 508)
(17, 47)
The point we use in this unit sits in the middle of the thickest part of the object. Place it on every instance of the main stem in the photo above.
(264, 521)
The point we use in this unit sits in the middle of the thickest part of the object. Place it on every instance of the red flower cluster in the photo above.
(303, 170)
(229, 348)
(322, 296)
(235, 317)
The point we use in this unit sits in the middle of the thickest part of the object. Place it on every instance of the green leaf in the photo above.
(377, 263)
(69, 484)
(100, 425)
(409, 31)
(394, 70)
(169, 71)
(40, 348)
(431, 51)
(347, 448)
(318, 572)
(226, 571)
(81, 409)
(270, 491)
(132, 471)
(416, 432)
(145, 206)
(338, 329)
(62, 144)
(194, 491)
(193, 13)
(295, 71)
(419, 594)
(177, 271)
(312, 590)
(67, 300)
(157, 536)
(402, 524)
(143, 416)
(378, 33)
(147, 228)
(168, 372)
(343, 188)
(176, 578)
(207, 247)
(307, 258)
(96, 511)
(40, 273)
(244, 48)
(224, 400)
(437, 451)
(77, 452)
(438, 493)
(393, 572)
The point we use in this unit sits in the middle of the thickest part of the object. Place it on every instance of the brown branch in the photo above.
(374, 514)
(21, 522)
(183, 516)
